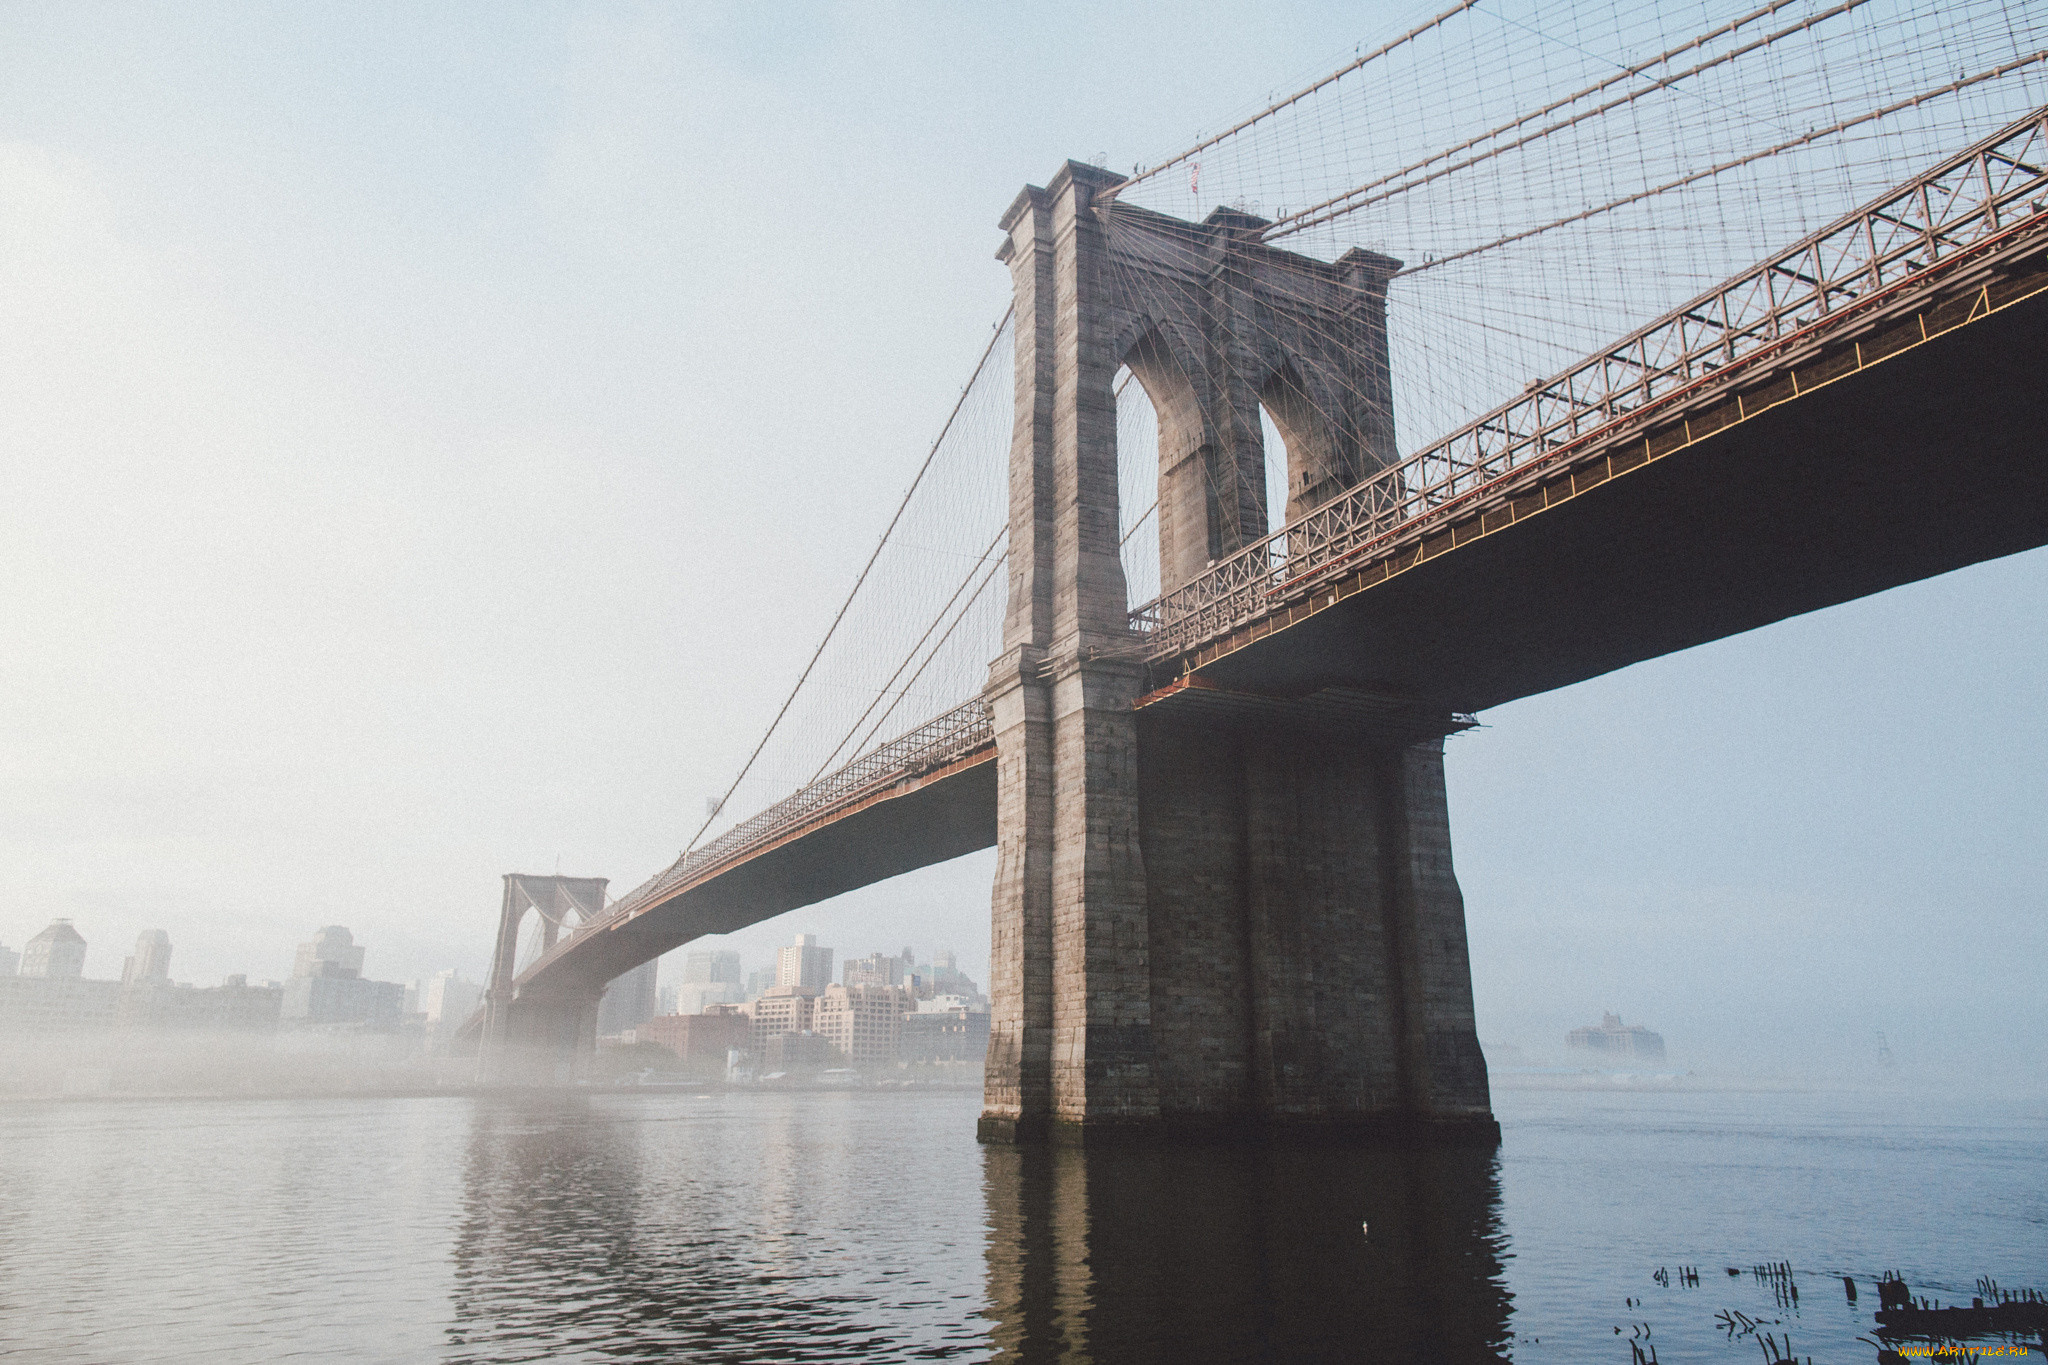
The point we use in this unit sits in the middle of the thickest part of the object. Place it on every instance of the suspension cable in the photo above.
(840, 615)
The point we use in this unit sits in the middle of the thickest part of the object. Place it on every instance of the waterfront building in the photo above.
(804, 964)
(154, 1005)
(945, 1028)
(704, 1039)
(58, 951)
(863, 1022)
(1611, 1039)
(151, 960)
(10, 961)
(630, 1000)
(797, 1052)
(37, 1006)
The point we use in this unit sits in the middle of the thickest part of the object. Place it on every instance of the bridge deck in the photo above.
(1925, 460)
(914, 822)
(1860, 412)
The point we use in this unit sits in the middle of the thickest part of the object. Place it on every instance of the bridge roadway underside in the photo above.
(1927, 462)
(923, 821)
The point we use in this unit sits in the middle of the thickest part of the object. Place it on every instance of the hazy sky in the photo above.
(434, 435)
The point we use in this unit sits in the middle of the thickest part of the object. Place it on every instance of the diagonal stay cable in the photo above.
(1870, 115)
(1363, 196)
(853, 592)
(1297, 97)
(973, 571)
(883, 719)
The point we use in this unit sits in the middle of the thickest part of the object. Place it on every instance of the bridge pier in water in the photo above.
(538, 1040)
(1213, 913)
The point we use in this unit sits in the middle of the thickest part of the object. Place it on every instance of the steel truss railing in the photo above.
(931, 745)
(1959, 204)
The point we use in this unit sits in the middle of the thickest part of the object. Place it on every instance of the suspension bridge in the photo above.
(1704, 325)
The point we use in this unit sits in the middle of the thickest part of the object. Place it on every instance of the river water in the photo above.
(871, 1227)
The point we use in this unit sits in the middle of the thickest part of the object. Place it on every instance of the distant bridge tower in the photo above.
(1238, 912)
(538, 1040)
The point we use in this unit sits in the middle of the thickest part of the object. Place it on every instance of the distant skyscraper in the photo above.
(332, 944)
(712, 966)
(694, 997)
(57, 951)
(152, 959)
(876, 969)
(327, 988)
(630, 1000)
(10, 961)
(446, 999)
(804, 964)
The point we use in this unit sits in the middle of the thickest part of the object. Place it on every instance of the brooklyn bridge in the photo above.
(1697, 331)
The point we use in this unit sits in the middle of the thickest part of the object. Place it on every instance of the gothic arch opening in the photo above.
(1314, 463)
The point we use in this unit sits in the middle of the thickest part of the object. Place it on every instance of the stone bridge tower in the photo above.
(538, 1041)
(1242, 917)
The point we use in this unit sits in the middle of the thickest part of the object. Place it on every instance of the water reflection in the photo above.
(616, 1229)
(1206, 1254)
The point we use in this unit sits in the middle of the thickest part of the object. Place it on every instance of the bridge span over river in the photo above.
(1194, 797)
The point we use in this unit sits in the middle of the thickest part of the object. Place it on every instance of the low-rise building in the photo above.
(703, 1039)
(38, 1006)
(332, 1000)
(798, 1052)
(944, 1029)
(152, 1005)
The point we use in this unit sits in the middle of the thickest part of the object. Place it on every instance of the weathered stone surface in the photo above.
(1200, 926)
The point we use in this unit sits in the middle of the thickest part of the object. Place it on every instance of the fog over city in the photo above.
(436, 438)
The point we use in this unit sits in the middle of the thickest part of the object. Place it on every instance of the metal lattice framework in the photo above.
(1989, 193)
(932, 745)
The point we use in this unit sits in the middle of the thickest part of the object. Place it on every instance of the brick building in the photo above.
(699, 1038)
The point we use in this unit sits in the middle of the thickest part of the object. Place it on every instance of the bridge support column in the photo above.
(1069, 1040)
(540, 1043)
(537, 1041)
(1204, 920)
(1309, 968)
